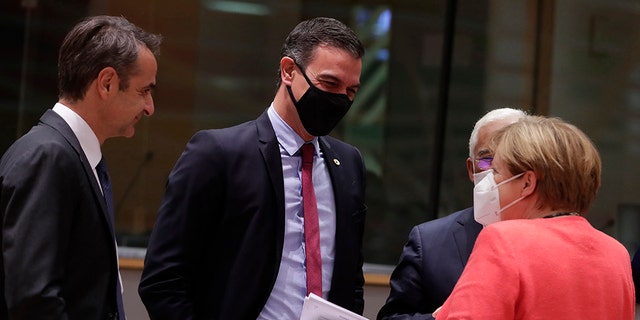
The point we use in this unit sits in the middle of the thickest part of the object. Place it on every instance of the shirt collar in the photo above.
(87, 138)
(288, 139)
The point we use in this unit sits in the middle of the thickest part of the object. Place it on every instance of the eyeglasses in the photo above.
(484, 163)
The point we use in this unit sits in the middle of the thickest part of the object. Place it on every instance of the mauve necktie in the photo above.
(311, 228)
(105, 182)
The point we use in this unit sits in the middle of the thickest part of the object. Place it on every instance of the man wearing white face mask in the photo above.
(437, 251)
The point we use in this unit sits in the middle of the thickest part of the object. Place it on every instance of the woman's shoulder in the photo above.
(530, 228)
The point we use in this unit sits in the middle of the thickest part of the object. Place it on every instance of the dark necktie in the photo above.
(311, 228)
(105, 183)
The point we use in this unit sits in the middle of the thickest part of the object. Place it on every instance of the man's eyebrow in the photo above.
(484, 152)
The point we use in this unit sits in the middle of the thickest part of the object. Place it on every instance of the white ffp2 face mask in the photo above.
(486, 197)
(477, 177)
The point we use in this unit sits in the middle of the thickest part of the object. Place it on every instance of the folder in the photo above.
(316, 308)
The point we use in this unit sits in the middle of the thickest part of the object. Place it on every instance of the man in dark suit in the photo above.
(229, 240)
(59, 258)
(437, 251)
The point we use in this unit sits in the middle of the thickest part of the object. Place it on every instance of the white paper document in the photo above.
(316, 308)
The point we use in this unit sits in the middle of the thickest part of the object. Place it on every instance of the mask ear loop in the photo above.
(510, 179)
(304, 73)
(514, 201)
(511, 204)
(295, 101)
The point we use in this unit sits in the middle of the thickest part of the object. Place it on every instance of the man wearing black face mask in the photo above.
(319, 110)
(258, 216)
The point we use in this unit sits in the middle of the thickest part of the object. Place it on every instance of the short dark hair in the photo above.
(309, 34)
(96, 43)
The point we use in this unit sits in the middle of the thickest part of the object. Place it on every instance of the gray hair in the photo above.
(491, 116)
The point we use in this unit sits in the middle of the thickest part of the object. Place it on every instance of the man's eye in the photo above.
(329, 84)
(484, 163)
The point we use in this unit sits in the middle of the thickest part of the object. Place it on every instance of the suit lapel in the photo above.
(270, 151)
(332, 162)
(53, 120)
(465, 234)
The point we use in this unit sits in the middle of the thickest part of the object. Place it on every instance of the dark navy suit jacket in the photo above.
(59, 256)
(430, 265)
(215, 250)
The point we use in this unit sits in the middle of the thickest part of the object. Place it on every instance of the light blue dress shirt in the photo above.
(290, 289)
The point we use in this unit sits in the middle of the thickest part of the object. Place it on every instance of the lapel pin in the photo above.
(336, 161)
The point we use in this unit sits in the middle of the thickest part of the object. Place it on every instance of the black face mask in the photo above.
(320, 111)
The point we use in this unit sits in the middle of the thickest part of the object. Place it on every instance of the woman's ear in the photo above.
(530, 183)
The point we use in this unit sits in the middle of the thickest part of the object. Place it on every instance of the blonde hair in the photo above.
(565, 161)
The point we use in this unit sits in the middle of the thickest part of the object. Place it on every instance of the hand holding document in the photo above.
(316, 308)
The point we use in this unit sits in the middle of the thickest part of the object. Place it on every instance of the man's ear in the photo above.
(107, 81)
(287, 66)
(530, 183)
(470, 166)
